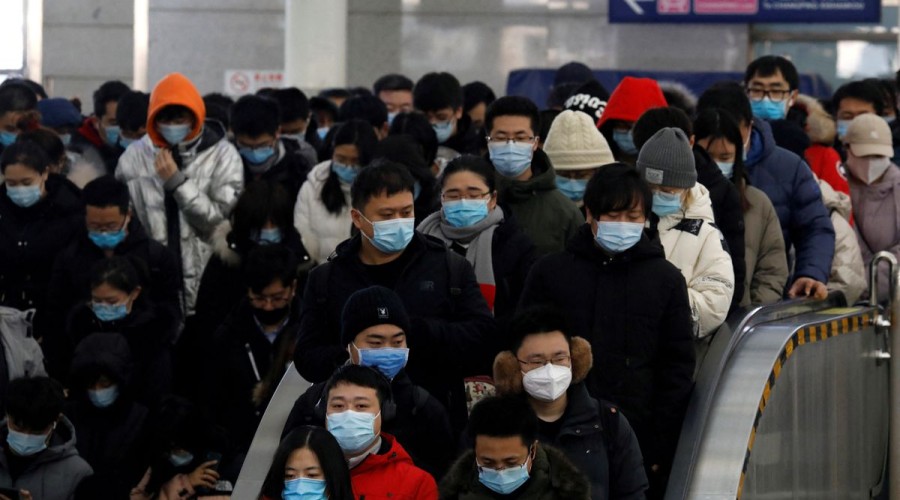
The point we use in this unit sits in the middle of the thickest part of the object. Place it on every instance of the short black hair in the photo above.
(382, 176)
(47, 140)
(323, 105)
(292, 103)
(392, 82)
(267, 264)
(362, 376)
(218, 108)
(107, 191)
(731, 97)
(117, 272)
(475, 93)
(478, 165)
(364, 107)
(110, 91)
(890, 93)
(254, 116)
(16, 96)
(404, 150)
(326, 449)
(501, 417)
(617, 187)
(716, 124)
(436, 91)
(513, 105)
(131, 113)
(33, 403)
(260, 202)
(35, 87)
(173, 112)
(25, 153)
(340, 93)
(541, 318)
(864, 90)
(416, 125)
(769, 65)
(655, 119)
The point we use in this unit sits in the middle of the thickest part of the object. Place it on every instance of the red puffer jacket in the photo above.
(392, 475)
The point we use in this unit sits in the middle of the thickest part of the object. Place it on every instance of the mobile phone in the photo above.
(212, 455)
(10, 493)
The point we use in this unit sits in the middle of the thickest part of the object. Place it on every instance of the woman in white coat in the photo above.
(322, 211)
(686, 228)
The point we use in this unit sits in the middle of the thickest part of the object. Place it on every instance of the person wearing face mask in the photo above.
(184, 179)
(295, 121)
(40, 214)
(61, 116)
(404, 150)
(603, 282)
(824, 161)
(548, 367)
(439, 97)
(506, 459)
(874, 190)
(474, 225)
(308, 465)
(322, 211)
(576, 148)
(396, 92)
(375, 329)
(39, 457)
(18, 111)
(526, 181)
(851, 100)
(110, 427)
(772, 83)
(98, 138)
(631, 98)
(684, 220)
(355, 404)
(118, 305)
(448, 314)
(248, 353)
(131, 115)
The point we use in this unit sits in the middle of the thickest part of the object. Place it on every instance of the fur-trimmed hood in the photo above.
(508, 374)
(224, 249)
(553, 476)
(820, 126)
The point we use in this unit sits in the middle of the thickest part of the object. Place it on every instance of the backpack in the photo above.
(21, 352)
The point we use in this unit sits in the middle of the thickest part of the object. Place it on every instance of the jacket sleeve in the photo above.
(302, 221)
(427, 489)
(712, 284)
(627, 478)
(771, 272)
(848, 273)
(169, 284)
(317, 353)
(732, 227)
(204, 210)
(574, 224)
(535, 291)
(812, 233)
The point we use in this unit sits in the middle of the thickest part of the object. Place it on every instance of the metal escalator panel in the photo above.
(800, 411)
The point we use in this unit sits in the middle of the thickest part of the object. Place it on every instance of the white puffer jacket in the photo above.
(848, 272)
(695, 246)
(215, 178)
(321, 230)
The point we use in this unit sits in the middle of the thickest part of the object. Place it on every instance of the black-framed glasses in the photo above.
(776, 95)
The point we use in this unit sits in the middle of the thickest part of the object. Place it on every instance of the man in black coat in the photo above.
(450, 321)
(375, 326)
(620, 293)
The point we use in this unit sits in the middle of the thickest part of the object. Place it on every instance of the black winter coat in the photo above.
(729, 215)
(603, 447)
(452, 329)
(421, 424)
(31, 238)
(467, 140)
(633, 308)
(290, 171)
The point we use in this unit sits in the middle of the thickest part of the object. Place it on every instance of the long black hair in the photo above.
(261, 201)
(326, 449)
(718, 124)
(358, 133)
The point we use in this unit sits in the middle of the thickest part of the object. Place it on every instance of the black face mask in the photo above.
(273, 317)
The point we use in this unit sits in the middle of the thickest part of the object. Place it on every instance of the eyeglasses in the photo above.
(775, 95)
(520, 139)
(276, 300)
(471, 194)
(560, 360)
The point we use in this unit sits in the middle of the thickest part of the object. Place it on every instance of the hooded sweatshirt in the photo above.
(627, 103)
(390, 473)
(823, 160)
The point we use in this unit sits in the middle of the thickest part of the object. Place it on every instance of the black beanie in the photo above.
(372, 306)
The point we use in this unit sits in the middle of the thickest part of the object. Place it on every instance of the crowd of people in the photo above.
(489, 299)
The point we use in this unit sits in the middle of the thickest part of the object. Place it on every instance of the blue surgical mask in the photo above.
(173, 134)
(7, 138)
(443, 130)
(269, 236)
(322, 132)
(24, 196)
(767, 109)
(504, 481)
(625, 141)
(109, 312)
(304, 488)
(345, 173)
(353, 430)
(257, 156)
(107, 241)
(391, 117)
(465, 213)
(112, 135)
(572, 188)
(842, 126)
(617, 237)
(511, 158)
(391, 236)
(388, 360)
(181, 459)
(727, 168)
(666, 203)
(66, 139)
(104, 398)
(26, 445)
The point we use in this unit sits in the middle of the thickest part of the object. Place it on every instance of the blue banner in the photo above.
(744, 11)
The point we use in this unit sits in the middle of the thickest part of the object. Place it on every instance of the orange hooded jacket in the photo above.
(175, 89)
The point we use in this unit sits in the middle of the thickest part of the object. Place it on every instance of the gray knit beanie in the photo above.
(667, 160)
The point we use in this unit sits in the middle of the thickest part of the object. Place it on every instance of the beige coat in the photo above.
(848, 272)
(764, 252)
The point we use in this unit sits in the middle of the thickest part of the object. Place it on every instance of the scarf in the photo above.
(478, 239)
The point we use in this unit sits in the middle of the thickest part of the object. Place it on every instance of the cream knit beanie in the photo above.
(574, 143)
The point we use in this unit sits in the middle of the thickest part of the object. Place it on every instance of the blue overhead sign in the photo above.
(744, 11)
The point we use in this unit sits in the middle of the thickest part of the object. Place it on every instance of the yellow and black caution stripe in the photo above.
(807, 335)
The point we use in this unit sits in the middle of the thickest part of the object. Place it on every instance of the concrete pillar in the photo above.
(315, 49)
